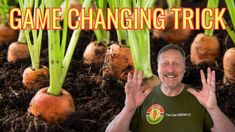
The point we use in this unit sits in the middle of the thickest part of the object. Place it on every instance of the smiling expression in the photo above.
(171, 68)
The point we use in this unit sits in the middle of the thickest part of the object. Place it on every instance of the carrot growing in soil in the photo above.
(170, 34)
(53, 103)
(118, 61)
(7, 35)
(18, 50)
(77, 4)
(206, 47)
(139, 41)
(36, 76)
(229, 56)
(95, 51)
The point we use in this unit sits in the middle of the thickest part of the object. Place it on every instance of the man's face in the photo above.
(171, 68)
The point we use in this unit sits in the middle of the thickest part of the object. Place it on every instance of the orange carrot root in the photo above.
(35, 79)
(52, 109)
(118, 62)
(204, 49)
(7, 35)
(17, 51)
(77, 5)
(72, 4)
(229, 65)
(94, 53)
(170, 34)
(150, 82)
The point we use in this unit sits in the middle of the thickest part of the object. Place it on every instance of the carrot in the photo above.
(77, 4)
(94, 53)
(52, 109)
(170, 34)
(53, 103)
(7, 35)
(150, 82)
(17, 51)
(35, 79)
(139, 42)
(204, 49)
(228, 59)
(72, 4)
(229, 65)
(155, 114)
(118, 62)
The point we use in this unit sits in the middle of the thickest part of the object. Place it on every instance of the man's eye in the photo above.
(176, 64)
(164, 63)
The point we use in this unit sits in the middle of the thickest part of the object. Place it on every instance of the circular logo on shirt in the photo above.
(155, 114)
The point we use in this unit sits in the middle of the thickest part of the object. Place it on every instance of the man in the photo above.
(171, 106)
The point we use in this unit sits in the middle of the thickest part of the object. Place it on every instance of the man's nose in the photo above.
(170, 67)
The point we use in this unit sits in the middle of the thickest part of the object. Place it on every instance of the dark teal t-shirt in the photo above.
(161, 113)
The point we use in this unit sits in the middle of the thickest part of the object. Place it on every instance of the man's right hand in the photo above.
(134, 94)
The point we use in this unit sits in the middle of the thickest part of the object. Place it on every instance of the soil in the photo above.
(97, 99)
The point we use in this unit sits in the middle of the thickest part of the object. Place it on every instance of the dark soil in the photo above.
(97, 99)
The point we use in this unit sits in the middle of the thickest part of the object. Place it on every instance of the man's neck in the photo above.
(169, 91)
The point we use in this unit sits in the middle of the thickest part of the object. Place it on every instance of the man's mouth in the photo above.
(170, 75)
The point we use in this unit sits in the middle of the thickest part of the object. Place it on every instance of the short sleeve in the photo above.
(208, 123)
(134, 124)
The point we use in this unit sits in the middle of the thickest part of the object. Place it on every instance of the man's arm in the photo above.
(221, 122)
(134, 98)
(121, 122)
(207, 98)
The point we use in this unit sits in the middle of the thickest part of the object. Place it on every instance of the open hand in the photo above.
(134, 94)
(207, 95)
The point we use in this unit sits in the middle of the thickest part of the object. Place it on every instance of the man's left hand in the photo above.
(207, 95)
